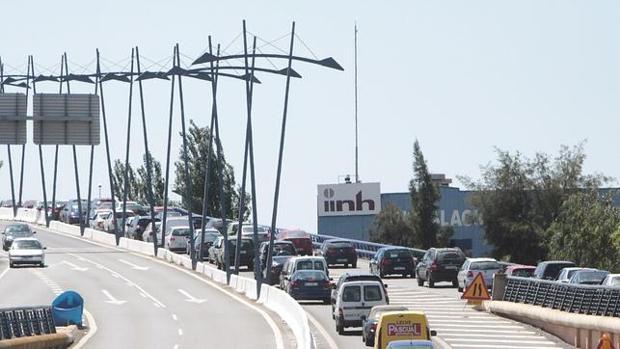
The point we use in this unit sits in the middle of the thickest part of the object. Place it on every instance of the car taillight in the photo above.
(295, 283)
(434, 266)
(386, 261)
(340, 311)
(470, 274)
(330, 252)
(326, 284)
(373, 326)
(172, 238)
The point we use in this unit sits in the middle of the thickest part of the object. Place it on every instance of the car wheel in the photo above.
(333, 309)
(354, 265)
(381, 275)
(340, 326)
(369, 343)
(460, 289)
(404, 275)
(431, 282)
(11, 265)
(455, 283)
(327, 301)
(412, 275)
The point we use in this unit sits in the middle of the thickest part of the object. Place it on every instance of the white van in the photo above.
(354, 302)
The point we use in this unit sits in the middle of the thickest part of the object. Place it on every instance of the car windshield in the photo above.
(27, 245)
(310, 265)
(245, 243)
(18, 230)
(450, 257)
(592, 277)
(485, 265)
(283, 249)
(250, 229)
(180, 232)
(310, 275)
(397, 254)
(351, 294)
(372, 293)
(525, 272)
(615, 281)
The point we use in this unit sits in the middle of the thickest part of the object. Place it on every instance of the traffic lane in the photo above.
(21, 287)
(124, 317)
(179, 292)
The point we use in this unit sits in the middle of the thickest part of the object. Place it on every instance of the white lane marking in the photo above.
(174, 317)
(191, 298)
(73, 266)
(176, 346)
(92, 329)
(4, 272)
(330, 341)
(133, 266)
(279, 339)
(142, 295)
(180, 332)
(112, 299)
(140, 289)
(157, 305)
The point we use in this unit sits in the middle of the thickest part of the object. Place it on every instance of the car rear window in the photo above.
(180, 232)
(485, 266)
(450, 257)
(310, 265)
(351, 294)
(340, 244)
(553, 269)
(372, 293)
(311, 275)
(523, 272)
(397, 254)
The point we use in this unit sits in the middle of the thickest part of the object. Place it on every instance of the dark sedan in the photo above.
(14, 231)
(273, 276)
(339, 252)
(310, 285)
(393, 260)
(279, 248)
(369, 325)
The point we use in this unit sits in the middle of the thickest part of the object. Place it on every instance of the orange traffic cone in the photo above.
(605, 342)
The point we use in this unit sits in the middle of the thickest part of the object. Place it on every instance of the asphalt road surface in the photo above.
(457, 324)
(136, 302)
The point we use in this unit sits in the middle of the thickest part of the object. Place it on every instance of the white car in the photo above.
(26, 251)
(354, 302)
(108, 223)
(612, 280)
(474, 266)
(177, 239)
(567, 273)
(99, 218)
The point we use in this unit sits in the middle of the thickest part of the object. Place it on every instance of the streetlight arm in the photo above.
(328, 62)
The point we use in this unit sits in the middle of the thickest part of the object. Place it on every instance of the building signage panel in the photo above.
(66, 119)
(349, 199)
(13, 108)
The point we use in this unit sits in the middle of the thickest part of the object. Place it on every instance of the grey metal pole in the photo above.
(8, 148)
(90, 168)
(75, 164)
(205, 193)
(107, 143)
(274, 216)
(167, 177)
(220, 162)
(188, 179)
(34, 91)
(126, 174)
(56, 150)
(149, 167)
(21, 172)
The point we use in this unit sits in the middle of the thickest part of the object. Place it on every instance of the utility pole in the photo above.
(357, 175)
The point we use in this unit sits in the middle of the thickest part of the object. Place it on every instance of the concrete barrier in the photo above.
(290, 311)
(102, 237)
(582, 331)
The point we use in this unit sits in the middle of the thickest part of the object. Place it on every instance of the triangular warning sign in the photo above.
(477, 290)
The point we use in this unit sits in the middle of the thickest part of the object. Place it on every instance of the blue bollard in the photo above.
(67, 309)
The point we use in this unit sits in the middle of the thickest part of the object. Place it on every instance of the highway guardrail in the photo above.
(364, 249)
(26, 321)
(582, 299)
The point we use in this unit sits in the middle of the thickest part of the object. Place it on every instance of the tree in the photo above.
(157, 182)
(197, 152)
(424, 198)
(519, 198)
(391, 227)
(118, 177)
(584, 231)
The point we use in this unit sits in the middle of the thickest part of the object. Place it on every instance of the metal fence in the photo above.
(364, 249)
(582, 299)
(25, 322)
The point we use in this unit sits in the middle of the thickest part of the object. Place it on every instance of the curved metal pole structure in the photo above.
(149, 167)
(107, 142)
(126, 169)
(8, 146)
(327, 62)
(167, 178)
(274, 216)
(34, 91)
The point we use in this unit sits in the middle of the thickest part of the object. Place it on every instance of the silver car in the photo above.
(474, 266)
(26, 251)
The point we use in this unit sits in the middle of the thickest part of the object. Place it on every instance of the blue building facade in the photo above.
(454, 211)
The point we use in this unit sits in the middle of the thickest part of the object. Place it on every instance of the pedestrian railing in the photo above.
(25, 322)
(364, 249)
(582, 299)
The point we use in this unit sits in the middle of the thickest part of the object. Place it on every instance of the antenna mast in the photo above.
(357, 177)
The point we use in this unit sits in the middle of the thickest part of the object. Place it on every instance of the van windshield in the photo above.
(310, 265)
(372, 293)
(351, 294)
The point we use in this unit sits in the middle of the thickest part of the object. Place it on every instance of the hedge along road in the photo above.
(137, 302)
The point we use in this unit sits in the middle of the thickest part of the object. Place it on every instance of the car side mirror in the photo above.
(45, 248)
(433, 333)
(385, 285)
(331, 279)
(34, 232)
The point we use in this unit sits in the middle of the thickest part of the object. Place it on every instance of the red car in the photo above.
(525, 271)
(300, 239)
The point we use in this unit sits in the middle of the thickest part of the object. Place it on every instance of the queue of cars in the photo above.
(22, 247)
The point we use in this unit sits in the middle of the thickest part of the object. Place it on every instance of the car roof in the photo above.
(520, 266)
(390, 307)
(26, 239)
(555, 262)
(362, 282)
(613, 275)
(311, 258)
(482, 259)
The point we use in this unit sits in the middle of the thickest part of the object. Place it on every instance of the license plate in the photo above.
(451, 267)
(342, 260)
(312, 283)
(241, 252)
(399, 268)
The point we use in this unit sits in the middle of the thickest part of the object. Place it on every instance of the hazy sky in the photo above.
(462, 77)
